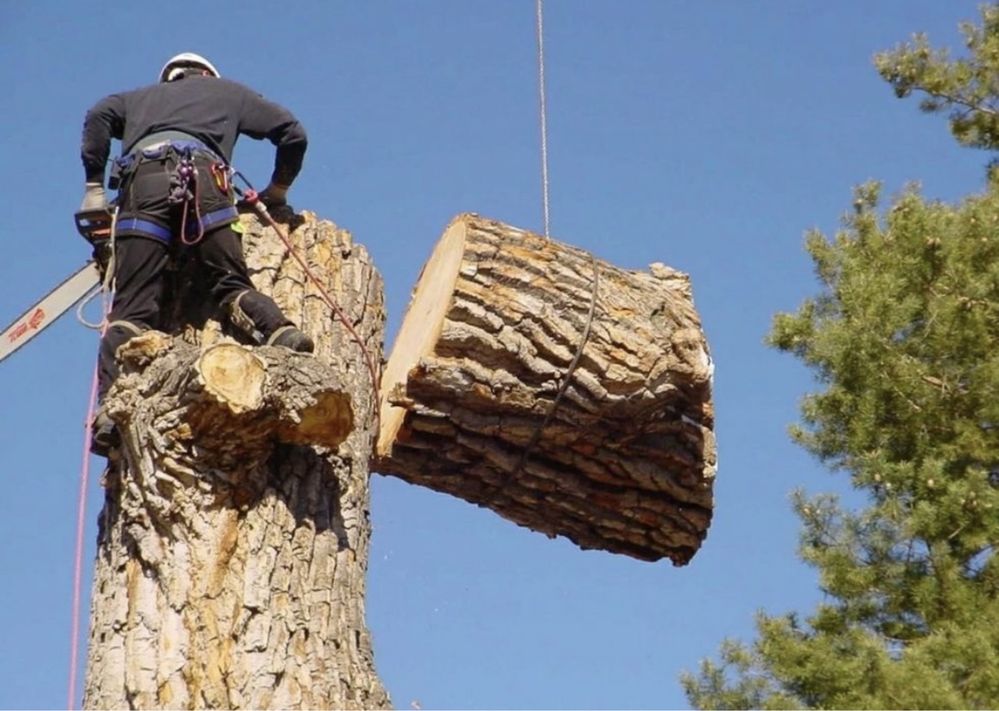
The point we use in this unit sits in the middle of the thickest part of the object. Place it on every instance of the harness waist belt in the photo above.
(155, 147)
(161, 139)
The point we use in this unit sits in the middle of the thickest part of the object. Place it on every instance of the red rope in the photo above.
(251, 197)
(197, 215)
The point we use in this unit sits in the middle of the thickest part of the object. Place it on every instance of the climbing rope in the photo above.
(107, 290)
(81, 511)
(543, 111)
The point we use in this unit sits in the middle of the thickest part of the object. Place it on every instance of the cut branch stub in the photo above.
(232, 395)
(626, 460)
(234, 376)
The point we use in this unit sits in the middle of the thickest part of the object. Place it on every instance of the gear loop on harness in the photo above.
(183, 178)
(184, 192)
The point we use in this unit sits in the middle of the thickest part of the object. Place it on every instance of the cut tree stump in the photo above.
(481, 399)
(233, 543)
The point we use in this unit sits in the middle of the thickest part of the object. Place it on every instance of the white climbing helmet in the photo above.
(183, 60)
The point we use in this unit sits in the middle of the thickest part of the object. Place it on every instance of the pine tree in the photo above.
(904, 341)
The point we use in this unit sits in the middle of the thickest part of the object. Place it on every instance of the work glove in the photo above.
(274, 195)
(94, 198)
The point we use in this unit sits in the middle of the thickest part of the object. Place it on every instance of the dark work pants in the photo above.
(140, 275)
(146, 209)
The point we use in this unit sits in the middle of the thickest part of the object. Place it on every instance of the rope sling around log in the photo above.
(546, 212)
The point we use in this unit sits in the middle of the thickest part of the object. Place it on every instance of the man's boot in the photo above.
(293, 339)
(104, 435)
(257, 315)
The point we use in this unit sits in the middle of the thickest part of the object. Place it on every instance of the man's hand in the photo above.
(274, 195)
(94, 198)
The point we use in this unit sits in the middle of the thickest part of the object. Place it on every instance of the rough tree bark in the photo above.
(625, 462)
(233, 542)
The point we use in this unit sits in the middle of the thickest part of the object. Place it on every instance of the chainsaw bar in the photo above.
(49, 309)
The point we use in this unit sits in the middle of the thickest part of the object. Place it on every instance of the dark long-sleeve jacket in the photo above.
(213, 110)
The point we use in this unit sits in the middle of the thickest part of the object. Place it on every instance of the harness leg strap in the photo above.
(241, 319)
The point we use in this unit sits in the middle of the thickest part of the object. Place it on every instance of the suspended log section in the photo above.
(567, 395)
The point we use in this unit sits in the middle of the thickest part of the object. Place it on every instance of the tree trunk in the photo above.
(233, 543)
(567, 395)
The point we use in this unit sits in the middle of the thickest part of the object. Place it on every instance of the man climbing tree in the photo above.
(233, 540)
(905, 338)
(234, 535)
(177, 138)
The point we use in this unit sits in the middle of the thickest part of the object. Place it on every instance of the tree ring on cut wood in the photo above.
(234, 375)
(487, 348)
(328, 421)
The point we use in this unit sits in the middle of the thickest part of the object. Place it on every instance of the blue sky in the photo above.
(709, 136)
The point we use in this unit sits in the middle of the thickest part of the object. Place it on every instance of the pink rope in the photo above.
(81, 510)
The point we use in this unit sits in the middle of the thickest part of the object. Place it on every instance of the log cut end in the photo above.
(234, 376)
(565, 394)
(423, 323)
(327, 421)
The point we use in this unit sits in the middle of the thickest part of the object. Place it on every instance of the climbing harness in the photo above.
(186, 154)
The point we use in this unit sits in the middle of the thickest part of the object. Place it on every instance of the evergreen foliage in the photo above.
(904, 340)
(967, 87)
